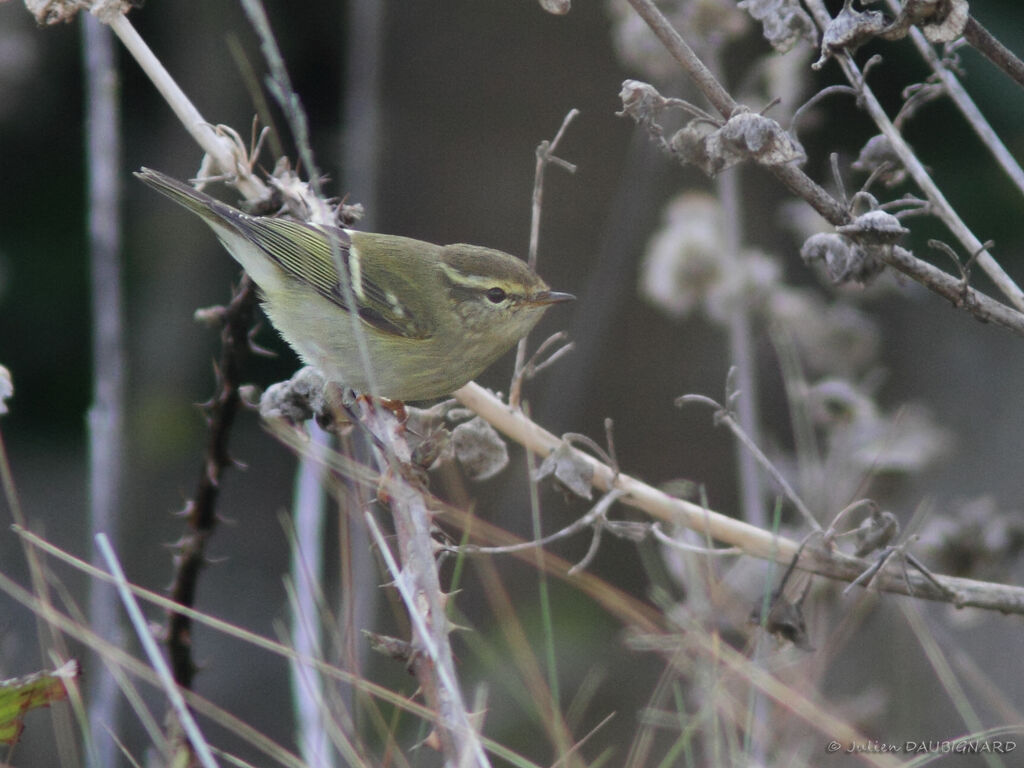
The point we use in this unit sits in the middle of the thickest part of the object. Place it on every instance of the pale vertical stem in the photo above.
(307, 568)
(741, 342)
(741, 349)
(358, 174)
(106, 415)
(362, 108)
(360, 146)
(744, 359)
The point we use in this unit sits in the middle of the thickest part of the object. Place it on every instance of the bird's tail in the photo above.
(201, 204)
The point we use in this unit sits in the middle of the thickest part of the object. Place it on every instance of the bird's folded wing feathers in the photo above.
(303, 251)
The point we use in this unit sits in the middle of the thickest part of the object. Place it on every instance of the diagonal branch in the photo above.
(752, 540)
(800, 184)
(993, 50)
(941, 206)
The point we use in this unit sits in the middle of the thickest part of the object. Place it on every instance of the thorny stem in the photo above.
(200, 512)
(419, 584)
(435, 665)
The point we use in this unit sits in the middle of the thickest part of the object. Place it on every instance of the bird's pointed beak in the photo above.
(551, 297)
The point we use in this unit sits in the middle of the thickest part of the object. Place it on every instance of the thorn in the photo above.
(211, 317)
(255, 348)
(433, 741)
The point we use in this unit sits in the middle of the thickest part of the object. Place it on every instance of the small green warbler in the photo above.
(434, 317)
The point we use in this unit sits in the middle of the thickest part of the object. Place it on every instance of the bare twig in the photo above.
(832, 531)
(675, 44)
(820, 96)
(834, 211)
(724, 415)
(156, 659)
(964, 102)
(545, 156)
(280, 85)
(754, 541)
(669, 541)
(951, 288)
(993, 50)
(598, 511)
(216, 145)
(917, 171)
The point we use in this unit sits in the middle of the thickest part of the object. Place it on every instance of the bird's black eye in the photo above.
(495, 295)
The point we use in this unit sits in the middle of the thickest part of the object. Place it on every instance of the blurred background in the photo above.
(467, 89)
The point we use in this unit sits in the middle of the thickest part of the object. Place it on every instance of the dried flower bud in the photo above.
(848, 30)
(296, 400)
(784, 21)
(698, 144)
(762, 139)
(868, 440)
(877, 152)
(568, 470)
(640, 100)
(682, 262)
(876, 531)
(556, 7)
(6, 388)
(951, 26)
(874, 228)
(480, 450)
(845, 261)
